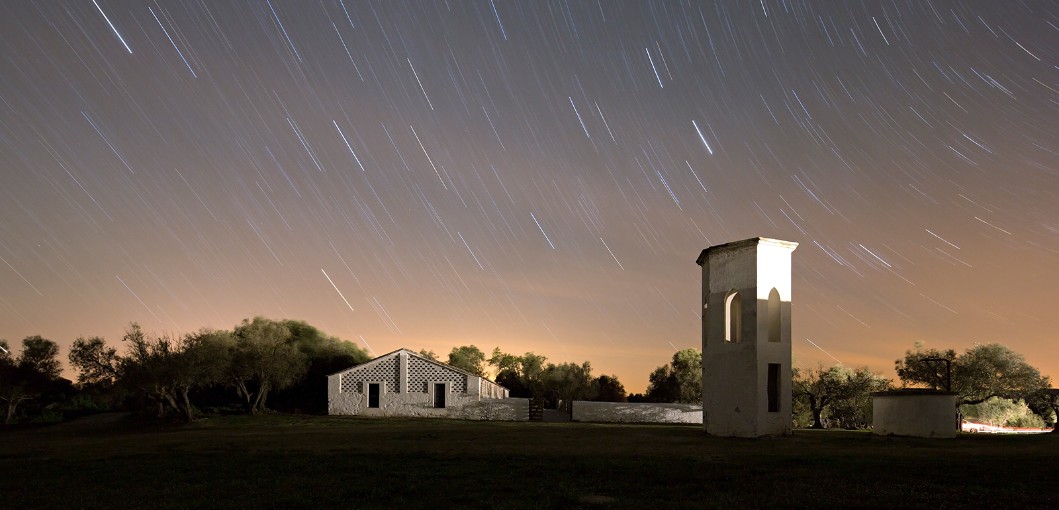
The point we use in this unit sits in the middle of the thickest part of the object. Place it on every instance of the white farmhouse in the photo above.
(405, 383)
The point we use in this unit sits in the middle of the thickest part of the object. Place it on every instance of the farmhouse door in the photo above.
(373, 395)
(439, 395)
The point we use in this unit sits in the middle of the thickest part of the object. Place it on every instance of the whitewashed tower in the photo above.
(746, 337)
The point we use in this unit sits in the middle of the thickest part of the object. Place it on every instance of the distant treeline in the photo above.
(264, 364)
(261, 363)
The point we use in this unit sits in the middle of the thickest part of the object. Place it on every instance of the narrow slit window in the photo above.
(775, 319)
(774, 388)
(733, 317)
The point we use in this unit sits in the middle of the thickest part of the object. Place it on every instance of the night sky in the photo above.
(531, 175)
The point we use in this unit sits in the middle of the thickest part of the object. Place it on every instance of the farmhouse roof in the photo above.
(410, 352)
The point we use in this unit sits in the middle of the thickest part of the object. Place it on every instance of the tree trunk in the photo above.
(245, 394)
(189, 412)
(817, 409)
(169, 398)
(11, 404)
(259, 402)
(818, 423)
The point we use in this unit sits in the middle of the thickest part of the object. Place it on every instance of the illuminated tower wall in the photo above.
(746, 337)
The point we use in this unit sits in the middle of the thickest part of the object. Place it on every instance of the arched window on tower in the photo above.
(733, 317)
(775, 322)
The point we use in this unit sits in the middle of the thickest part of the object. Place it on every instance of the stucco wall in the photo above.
(735, 373)
(624, 412)
(457, 405)
(914, 414)
(494, 409)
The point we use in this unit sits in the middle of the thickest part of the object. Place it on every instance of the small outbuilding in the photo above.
(405, 383)
(915, 413)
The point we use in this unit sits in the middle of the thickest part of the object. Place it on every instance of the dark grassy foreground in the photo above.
(330, 462)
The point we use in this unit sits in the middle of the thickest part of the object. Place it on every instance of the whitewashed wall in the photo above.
(494, 409)
(914, 413)
(467, 406)
(735, 373)
(625, 412)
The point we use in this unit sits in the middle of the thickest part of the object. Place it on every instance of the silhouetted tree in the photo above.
(29, 375)
(818, 388)
(259, 358)
(521, 375)
(428, 354)
(324, 355)
(981, 372)
(98, 368)
(1002, 412)
(165, 369)
(679, 381)
(468, 358)
(148, 367)
(566, 382)
(662, 385)
(42, 356)
(263, 359)
(838, 394)
(201, 360)
(607, 388)
(516, 386)
(855, 410)
(96, 363)
(1045, 403)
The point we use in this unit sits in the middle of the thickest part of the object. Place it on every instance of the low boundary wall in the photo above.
(495, 409)
(626, 412)
(914, 413)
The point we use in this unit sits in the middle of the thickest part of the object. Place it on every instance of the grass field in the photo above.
(284, 461)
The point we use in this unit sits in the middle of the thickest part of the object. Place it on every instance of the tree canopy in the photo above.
(468, 358)
(679, 381)
(553, 385)
(838, 395)
(264, 359)
(1045, 403)
(981, 372)
(258, 358)
(565, 383)
(521, 375)
(607, 388)
(1002, 412)
(29, 375)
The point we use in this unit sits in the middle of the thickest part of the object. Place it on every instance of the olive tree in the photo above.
(607, 388)
(323, 355)
(263, 359)
(678, 381)
(838, 394)
(164, 368)
(1045, 403)
(468, 358)
(28, 375)
(521, 375)
(565, 383)
(96, 363)
(980, 373)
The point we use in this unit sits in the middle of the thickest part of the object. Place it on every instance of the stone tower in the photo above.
(746, 337)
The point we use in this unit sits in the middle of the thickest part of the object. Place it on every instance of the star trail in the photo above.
(533, 175)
